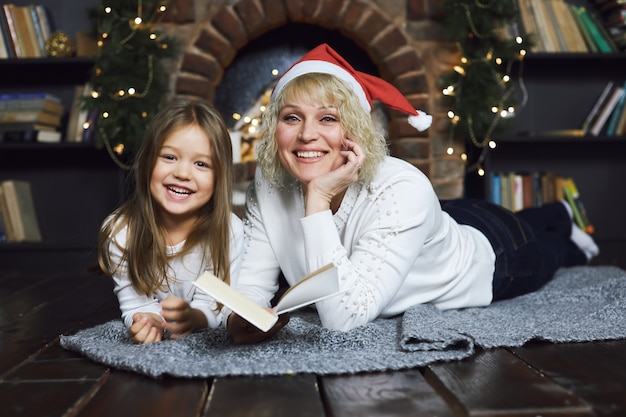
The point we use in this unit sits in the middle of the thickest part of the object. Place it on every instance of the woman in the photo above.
(327, 191)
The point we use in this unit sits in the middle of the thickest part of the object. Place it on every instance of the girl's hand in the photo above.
(146, 328)
(321, 191)
(180, 318)
(244, 333)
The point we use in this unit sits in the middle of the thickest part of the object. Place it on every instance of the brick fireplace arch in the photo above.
(213, 42)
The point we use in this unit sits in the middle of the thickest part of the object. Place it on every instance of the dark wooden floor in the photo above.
(39, 378)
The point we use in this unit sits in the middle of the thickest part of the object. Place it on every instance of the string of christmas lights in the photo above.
(480, 90)
(128, 80)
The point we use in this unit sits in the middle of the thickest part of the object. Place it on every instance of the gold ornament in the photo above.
(59, 45)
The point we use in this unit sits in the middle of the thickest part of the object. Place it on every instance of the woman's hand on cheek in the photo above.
(322, 189)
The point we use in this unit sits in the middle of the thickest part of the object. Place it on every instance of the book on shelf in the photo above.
(595, 109)
(517, 191)
(13, 37)
(573, 198)
(31, 101)
(27, 29)
(4, 219)
(4, 48)
(30, 32)
(495, 188)
(612, 123)
(44, 22)
(3, 233)
(529, 25)
(573, 38)
(316, 286)
(520, 190)
(30, 135)
(559, 26)
(582, 28)
(40, 32)
(24, 37)
(603, 28)
(19, 207)
(77, 114)
(595, 30)
(606, 109)
(620, 129)
(545, 28)
(38, 116)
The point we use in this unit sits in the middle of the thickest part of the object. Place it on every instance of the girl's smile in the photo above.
(183, 180)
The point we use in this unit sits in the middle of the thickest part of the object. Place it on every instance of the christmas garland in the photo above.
(480, 90)
(128, 81)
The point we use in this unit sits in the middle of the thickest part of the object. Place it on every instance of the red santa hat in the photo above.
(367, 87)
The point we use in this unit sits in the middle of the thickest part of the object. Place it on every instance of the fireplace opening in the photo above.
(250, 73)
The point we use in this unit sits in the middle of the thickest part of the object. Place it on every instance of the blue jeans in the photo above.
(530, 245)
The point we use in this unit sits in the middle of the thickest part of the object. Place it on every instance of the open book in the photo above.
(314, 287)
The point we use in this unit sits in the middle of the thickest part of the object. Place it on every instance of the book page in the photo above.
(237, 302)
(315, 287)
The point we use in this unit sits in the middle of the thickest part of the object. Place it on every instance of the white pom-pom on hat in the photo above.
(367, 87)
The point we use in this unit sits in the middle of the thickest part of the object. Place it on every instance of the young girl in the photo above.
(176, 224)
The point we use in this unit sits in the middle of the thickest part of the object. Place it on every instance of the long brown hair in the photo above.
(145, 253)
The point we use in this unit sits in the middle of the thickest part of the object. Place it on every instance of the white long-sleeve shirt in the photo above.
(185, 271)
(392, 244)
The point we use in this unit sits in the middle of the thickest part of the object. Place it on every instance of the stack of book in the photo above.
(24, 31)
(520, 190)
(607, 117)
(30, 117)
(18, 218)
(613, 15)
(558, 26)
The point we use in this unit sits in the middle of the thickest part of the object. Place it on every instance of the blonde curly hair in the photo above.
(327, 90)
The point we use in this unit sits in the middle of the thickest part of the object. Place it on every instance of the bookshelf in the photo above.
(74, 185)
(562, 88)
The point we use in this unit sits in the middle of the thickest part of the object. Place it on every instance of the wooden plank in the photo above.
(81, 305)
(496, 383)
(388, 394)
(276, 396)
(131, 394)
(34, 291)
(49, 384)
(594, 371)
(42, 399)
(53, 363)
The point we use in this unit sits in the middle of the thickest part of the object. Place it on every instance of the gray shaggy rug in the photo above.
(580, 304)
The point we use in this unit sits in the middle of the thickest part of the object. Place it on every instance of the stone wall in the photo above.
(403, 38)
